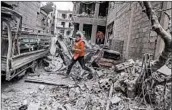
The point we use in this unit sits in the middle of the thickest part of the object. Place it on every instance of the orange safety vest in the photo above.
(81, 46)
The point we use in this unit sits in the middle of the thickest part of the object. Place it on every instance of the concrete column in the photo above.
(77, 8)
(129, 33)
(93, 34)
(81, 26)
(96, 13)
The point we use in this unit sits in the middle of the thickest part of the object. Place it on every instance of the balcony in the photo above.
(78, 18)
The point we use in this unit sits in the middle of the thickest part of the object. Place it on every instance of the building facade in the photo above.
(49, 22)
(64, 23)
(90, 17)
(129, 29)
(29, 11)
(35, 19)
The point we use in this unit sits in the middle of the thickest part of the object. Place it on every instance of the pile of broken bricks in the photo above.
(112, 89)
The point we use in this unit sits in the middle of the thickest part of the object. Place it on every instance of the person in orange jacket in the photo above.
(78, 55)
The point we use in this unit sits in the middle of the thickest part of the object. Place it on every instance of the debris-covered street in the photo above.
(49, 91)
(99, 55)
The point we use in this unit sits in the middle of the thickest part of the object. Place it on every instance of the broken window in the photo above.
(103, 9)
(64, 16)
(87, 28)
(70, 25)
(28, 44)
(76, 28)
(110, 29)
(70, 15)
(63, 24)
(87, 8)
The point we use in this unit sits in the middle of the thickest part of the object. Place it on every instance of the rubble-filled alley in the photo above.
(103, 55)
(109, 90)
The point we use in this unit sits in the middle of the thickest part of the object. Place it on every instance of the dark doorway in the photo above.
(103, 9)
(88, 30)
(76, 28)
(100, 35)
(101, 28)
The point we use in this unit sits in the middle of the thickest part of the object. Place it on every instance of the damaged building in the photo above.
(64, 23)
(35, 18)
(90, 17)
(133, 82)
(129, 29)
(50, 8)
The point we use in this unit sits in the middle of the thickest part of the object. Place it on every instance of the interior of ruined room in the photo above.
(88, 8)
(87, 28)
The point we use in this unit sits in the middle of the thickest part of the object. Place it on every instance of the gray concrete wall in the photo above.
(29, 13)
(132, 26)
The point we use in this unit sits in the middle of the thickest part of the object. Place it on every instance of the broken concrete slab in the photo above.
(68, 107)
(73, 92)
(25, 102)
(42, 87)
(165, 70)
(4, 97)
(124, 65)
(89, 84)
(33, 106)
(115, 100)
(100, 73)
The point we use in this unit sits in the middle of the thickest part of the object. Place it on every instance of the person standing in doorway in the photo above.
(78, 55)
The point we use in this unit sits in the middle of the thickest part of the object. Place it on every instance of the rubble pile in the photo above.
(113, 87)
(55, 64)
(94, 95)
(111, 90)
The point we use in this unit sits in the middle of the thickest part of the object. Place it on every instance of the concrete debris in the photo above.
(41, 87)
(111, 54)
(165, 70)
(4, 97)
(115, 100)
(125, 65)
(60, 107)
(55, 64)
(81, 102)
(68, 107)
(25, 102)
(33, 106)
(105, 84)
(100, 73)
(74, 92)
(111, 90)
